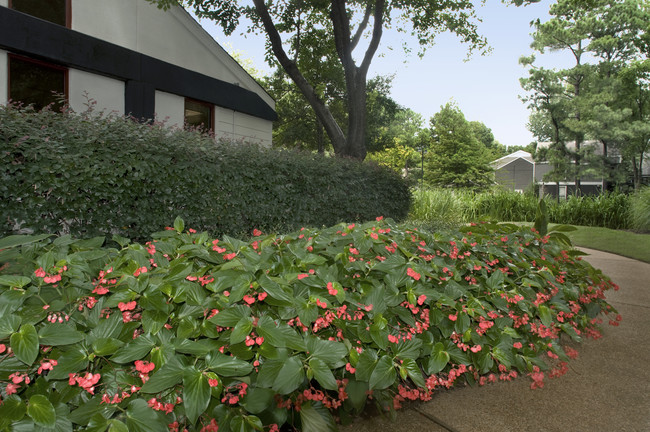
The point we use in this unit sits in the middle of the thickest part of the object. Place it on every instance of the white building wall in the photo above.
(4, 68)
(236, 126)
(84, 87)
(4, 3)
(172, 36)
(170, 108)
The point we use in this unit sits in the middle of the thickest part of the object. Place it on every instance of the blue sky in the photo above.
(486, 88)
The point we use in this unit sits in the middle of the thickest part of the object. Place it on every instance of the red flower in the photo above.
(229, 256)
(249, 299)
(144, 366)
(517, 345)
(415, 275)
(213, 382)
(257, 233)
(39, 272)
(331, 290)
(139, 271)
(453, 317)
(126, 306)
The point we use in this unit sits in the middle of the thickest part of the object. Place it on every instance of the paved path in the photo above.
(606, 389)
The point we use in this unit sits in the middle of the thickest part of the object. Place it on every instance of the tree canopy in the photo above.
(298, 38)
(604, 97)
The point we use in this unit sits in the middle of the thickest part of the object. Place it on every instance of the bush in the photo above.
(435, 206)
(191, 331)
(640, 210)
(80, 174)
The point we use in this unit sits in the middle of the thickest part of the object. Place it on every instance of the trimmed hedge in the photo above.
(82, 173)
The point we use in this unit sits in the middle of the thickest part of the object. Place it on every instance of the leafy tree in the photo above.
(350, 22)
(456, 157)
(604, 99)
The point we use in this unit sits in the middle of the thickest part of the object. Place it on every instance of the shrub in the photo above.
(640, 210)
(191, 331)
(81, 173)
(608, 210)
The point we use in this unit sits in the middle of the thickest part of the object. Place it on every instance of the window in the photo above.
(198, 114)
(55, 11)
(37, 83)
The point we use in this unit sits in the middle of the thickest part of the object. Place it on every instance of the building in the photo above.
(131, 58)
(515, 171)
(518, 171)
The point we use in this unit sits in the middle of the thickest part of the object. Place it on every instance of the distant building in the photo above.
(131, 58)
(518, 171)
(515, 171)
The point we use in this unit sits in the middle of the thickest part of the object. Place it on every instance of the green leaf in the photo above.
(134, 350)
(106, 346)
(59, 334)
(323, 374)
(179, 224)
(117, 426)
(40, 409)
(357, 393)
(315, 418)
(227, 366)
(25, 344)
(19, 240)
(170, 374)
(12, 410)
(290, 376)
(438, 359)
(367, 361)
(8, 325)
(545, 315)
(330, 352)
(258, 399)
(14, 281)
(196, 393)
(413, 371)
(73, 360)
(141, 418)
(275, 291)
(383, 375)
(269, 330)
(231, 316)
(242, 329)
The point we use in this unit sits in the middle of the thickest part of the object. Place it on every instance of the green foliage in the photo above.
(87, 175)
(436, 207)
(640, 210)
(188, 330)
(456, 157)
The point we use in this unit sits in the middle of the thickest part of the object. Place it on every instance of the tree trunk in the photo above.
(356, 139)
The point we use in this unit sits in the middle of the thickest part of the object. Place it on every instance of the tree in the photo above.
(456, 157)
(350, 22)
(604, 99)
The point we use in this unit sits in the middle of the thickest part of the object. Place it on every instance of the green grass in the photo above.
(618, 242)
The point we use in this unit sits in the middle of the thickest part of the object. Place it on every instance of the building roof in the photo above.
(508, 159)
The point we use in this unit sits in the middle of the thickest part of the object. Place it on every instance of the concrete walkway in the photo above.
(606, 389)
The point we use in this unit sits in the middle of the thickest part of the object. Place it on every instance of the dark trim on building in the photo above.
(143, 75)
(68, 12)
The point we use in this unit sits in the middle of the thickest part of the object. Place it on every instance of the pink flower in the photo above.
(11, 388)
(415, 275)
(139, 271)
(229, 256)
(249, 299)
(52, 279)
(257, 233)
(302, 276)
(39, 272)
(475, 348)
(126, 306)
(213, 382)
(261, 296)
(517, 345)
(321, 304)
(3, 347)
(354, 251)
(144, 366)
(331, 290)
(453, 317)
(422, 299)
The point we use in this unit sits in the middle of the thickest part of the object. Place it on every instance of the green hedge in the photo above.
(82, 174)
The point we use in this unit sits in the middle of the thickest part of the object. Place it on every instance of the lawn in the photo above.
(625, 243)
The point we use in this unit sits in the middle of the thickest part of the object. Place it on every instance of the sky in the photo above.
(485, 88)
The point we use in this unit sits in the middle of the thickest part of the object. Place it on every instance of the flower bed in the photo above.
(188, 331)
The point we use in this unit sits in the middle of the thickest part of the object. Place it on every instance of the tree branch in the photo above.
(362, 26)
(322, 112)
(377, 30)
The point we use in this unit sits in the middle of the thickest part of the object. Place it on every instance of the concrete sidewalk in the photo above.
(606, 389)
